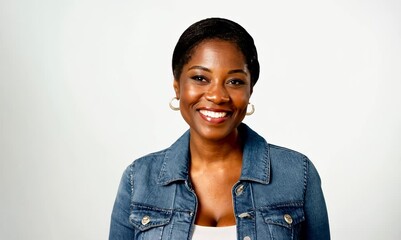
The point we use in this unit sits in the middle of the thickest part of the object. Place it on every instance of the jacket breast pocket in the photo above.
(149, 222)
(285, 221)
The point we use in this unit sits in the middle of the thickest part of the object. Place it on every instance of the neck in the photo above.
(209, 151)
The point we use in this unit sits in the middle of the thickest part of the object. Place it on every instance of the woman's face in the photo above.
(214, 90)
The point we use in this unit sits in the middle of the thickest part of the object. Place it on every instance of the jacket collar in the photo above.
(255, 159)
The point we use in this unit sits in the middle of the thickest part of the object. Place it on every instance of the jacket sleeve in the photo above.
(120, 227)
(316, 218)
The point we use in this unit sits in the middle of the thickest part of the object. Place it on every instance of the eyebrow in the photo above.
(201, 68)
(208, 70)
(237, 71)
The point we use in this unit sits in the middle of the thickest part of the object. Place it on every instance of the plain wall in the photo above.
(85, 86)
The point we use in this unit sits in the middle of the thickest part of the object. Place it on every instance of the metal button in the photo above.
(239, 190)
(145, 220)
(247, 238)
(288, 218)
(244, 215)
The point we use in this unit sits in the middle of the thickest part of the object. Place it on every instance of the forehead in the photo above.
(216, 43)
(213, 50)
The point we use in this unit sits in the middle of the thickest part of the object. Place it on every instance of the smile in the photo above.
(213, 114)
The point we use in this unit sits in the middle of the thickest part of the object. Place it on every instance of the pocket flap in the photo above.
(145, 217)
(284, 215)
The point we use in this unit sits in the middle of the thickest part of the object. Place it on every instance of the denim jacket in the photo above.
(278, 195)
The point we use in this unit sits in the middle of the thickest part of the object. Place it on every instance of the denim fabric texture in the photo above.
(278, 195)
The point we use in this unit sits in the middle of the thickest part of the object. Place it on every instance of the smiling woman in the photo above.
(220, 178)
(214, 90)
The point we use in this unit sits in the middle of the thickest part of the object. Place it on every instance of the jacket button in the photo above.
(145, 220)
(247, 238)
(288, 218)
(244, 215)
(239, 190)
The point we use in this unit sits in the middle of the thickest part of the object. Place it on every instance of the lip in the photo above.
(218, 115)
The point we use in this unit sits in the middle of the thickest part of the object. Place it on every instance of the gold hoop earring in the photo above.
(172, 106)
(252, 109)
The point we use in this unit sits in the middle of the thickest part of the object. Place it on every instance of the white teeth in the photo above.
(213, 114)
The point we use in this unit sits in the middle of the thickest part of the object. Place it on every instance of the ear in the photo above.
(176, 85)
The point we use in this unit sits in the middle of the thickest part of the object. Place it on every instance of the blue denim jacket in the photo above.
(278, 195)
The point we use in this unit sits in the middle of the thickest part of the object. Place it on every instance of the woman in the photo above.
(220, 180)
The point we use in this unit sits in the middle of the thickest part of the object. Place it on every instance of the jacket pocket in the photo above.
(284, 221)
(149, 221)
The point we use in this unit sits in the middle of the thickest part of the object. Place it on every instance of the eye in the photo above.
(236, 82)
(199, 78)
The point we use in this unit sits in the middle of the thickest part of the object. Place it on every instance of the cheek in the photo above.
(241, 99)
(189, 93)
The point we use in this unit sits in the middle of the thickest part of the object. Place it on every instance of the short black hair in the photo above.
(215, 28)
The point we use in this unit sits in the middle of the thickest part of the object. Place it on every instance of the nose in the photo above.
(217, 93)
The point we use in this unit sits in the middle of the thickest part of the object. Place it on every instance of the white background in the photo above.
(85, 85)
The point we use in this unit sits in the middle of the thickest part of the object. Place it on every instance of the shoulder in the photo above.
(287, 162)
(285, 154)
(258, 144)
(291, 163)
(278, 156)
(149, 161)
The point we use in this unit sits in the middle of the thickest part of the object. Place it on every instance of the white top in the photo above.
(215, 233)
